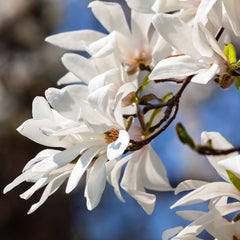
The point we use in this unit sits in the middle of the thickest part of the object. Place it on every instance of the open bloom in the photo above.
(217, 192)
(140, 45)
(201, 57)
(88, 144)
(213, 222)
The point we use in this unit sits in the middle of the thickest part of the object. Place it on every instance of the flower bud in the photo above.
(226, 80)
(129, 99)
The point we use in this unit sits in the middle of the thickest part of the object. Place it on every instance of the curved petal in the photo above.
(141, 5)
(208, 191)
(51, 188)
(111, 16)
(218, 142)
(189, 185)
(117, 148)
(81, 166)
(175, 32)
(153, 171)
(177, 67)
(171, 232)
(96, 182)
(75, 40)
(82, 67)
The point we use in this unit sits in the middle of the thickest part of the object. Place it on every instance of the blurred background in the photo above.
(28, 66)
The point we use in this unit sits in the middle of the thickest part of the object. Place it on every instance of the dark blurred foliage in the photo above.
(28, 66)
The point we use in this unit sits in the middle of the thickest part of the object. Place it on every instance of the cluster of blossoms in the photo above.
(103, 118)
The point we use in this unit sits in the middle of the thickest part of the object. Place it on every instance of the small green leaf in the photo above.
(234, 179)
(230, 54)
(167, 96)
(183, 136)
(237, 83)
(144, 84)
(209, 143)
(238, 63)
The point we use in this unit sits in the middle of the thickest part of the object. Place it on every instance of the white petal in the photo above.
(189, 185)
(39, 184)
(21, 178)
(190, 215)
(68, 78)
(177, 67)
(153, 171)
(64, 100)
(95, 182)
(208, 191)
(41, 109)
(141, 5)
(32, 129)
(171, 232)
(218, 142)
(140, 24)
(192, 230)
(132, 182)
(82, 67)
(111, 16)
(101, 79)
(175, 32)
(207, 74)
(233, 14)
(113, 175)
(76, 40)
(116, 149)
(81, 166)
(39, 157)
(100, 99)
(104, 46)
(123, 91)
(51, 188)
(62, 158)
(232, 164)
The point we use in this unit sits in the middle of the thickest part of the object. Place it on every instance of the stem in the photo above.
(178, 81)
(174, 101)
(219, 33)
(205, 150)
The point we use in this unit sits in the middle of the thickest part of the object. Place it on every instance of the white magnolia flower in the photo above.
(201, 57)
(203, 191)
(213, 222)
(89, 143)
(133, 46)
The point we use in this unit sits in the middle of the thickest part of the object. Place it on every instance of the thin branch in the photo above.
(219, 33)
(174, 101)
(178, 81)
(205, 150)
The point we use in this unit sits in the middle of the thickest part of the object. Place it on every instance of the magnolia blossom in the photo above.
(199, 57)
(133, 47)
(212, 222)
(88, 144)
(217, 192)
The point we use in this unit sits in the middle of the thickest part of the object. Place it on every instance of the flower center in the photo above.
(111, 135)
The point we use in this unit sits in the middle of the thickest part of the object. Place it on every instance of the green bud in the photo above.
(226, 80)
(183, 136)
(236, 218)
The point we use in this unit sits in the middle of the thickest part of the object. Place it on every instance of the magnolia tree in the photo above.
(104, 120)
